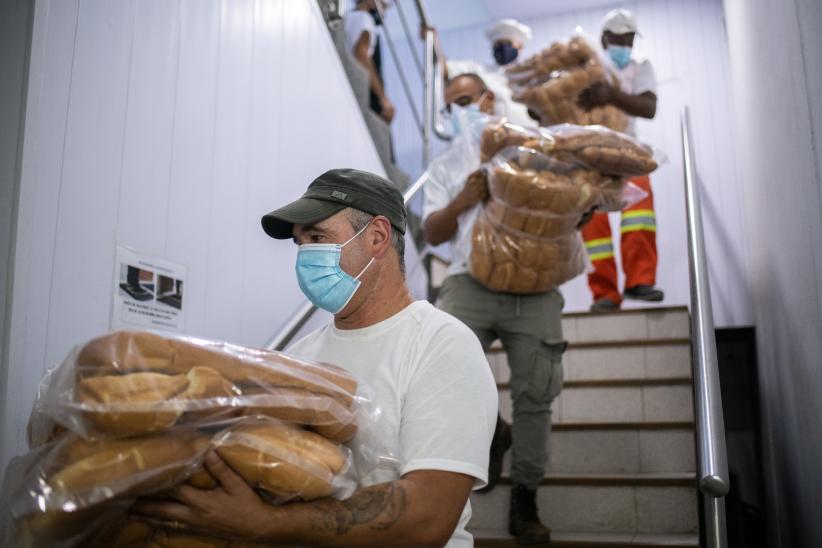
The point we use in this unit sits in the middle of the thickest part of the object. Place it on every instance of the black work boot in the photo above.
(644, 293)
(500, 443)
(523, 520)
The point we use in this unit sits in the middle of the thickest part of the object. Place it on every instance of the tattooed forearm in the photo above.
(377, 507)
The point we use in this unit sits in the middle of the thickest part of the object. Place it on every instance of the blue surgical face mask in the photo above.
(467, 118)
(321, 277)
(620, 55)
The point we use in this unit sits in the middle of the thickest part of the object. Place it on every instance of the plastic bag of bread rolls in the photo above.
(593, 147)
(71, 491)
(525, 239)
(550, 82)
(131, 383)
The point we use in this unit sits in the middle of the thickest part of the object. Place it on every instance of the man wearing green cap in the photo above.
(427, 371)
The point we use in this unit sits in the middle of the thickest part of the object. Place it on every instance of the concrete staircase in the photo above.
(622, 464)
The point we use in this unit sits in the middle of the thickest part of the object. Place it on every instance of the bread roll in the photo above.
(136, 351)
(324, 414)
(140, 465)
(124, 405)
(284, 460)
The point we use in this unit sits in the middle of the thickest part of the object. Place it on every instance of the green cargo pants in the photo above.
(530, 329)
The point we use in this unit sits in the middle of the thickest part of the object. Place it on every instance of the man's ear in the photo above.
(487, 105)
(380, 236)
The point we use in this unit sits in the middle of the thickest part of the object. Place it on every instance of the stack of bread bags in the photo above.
(541, 182)
(133, 413)
(550, 82)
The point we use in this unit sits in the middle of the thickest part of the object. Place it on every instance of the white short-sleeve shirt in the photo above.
(636, 78)
(356, 23)
(446, 178)
(432, 383)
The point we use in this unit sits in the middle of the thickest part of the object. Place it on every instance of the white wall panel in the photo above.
(687, 44)
(778, 119)
(170, 127)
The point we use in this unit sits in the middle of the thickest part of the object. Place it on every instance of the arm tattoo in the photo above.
(379, 507)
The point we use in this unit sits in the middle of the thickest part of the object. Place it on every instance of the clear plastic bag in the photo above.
(133, 413)
(525, 239)
(131, 383)
(593, 147)
(550, 82)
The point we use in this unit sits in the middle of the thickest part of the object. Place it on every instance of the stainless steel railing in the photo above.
(710, 426)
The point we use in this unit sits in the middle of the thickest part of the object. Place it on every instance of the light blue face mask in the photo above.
(467, 118)
(322, 279)
(620, 55)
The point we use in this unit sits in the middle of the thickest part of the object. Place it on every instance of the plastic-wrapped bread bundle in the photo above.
(525, 239)
(550, 83)
(594, 147)
(558, 56)
(132, 414)
(132, 383)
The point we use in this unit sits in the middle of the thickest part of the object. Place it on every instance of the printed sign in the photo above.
(148, 292)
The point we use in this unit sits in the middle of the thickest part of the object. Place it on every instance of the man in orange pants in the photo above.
(636, 97)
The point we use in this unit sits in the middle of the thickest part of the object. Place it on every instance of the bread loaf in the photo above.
(123, 405)
(182, 382)
(286, 461)
(137, 351)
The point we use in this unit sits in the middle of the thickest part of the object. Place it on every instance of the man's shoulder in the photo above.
(438, 327)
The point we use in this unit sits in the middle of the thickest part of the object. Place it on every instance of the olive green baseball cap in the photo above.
(334, 191)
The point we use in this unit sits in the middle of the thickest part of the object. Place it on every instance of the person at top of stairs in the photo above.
(529, 326)
(636, 96)
(363, 40)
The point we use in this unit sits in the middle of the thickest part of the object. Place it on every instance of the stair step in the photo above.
(632, 506)
(613, 360)
(500, 538)
(679, 479)
(619, 449)
(640, 324)
(616, 383)
(653, 403)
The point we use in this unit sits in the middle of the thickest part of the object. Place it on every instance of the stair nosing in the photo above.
(681, 479)
(617, 383)
(615, 343)
(646, 310)
(579, 539)
(633, 425)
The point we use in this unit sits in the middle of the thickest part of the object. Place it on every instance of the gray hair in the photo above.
(360, 219)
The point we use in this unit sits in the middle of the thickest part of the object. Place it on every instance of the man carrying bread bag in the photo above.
(529, 326)
(427, 370)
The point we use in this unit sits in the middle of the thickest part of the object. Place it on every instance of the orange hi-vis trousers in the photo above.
(637, 243)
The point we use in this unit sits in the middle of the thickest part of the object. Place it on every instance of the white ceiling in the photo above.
(451, 14)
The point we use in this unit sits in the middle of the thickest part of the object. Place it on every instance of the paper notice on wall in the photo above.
(148, 292)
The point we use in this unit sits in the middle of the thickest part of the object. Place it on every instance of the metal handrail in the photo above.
(712, 454)
(293, 326)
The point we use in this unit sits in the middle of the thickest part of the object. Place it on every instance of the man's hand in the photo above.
(596, 95)
(387, 110)
(232, 511)
(474, 191)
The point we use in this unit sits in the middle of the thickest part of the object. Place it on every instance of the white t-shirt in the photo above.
(636, 78)
(446, 178)
(494, 77)
(356, 23)
(433, 385)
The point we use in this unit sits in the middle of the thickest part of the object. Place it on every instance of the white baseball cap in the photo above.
(509, 29)
(619, 21)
